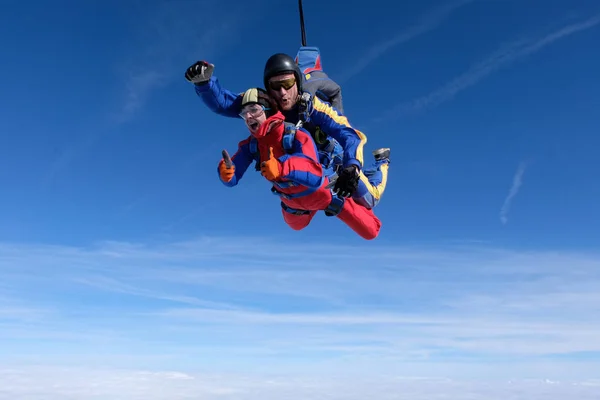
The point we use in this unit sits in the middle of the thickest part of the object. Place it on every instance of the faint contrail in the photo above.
(427, 23)
(514, 189)
(500, 58)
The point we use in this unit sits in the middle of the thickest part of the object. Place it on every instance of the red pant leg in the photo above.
(361, 220)
(297, 222)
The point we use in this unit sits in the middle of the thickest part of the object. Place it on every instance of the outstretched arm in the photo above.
(240, 160)
(220, 100)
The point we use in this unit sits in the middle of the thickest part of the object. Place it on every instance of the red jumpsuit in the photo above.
(303, 171)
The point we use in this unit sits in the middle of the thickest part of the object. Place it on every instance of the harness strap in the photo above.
(296, 195)
(289, 135)
(253, 147)
(288, 138)
(336, 205)
(329, 146)
(294, 211)
(283, 185)
(326, 155)
(333, 208)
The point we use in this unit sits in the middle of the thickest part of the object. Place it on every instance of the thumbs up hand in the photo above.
(271, 169)
(226, 167)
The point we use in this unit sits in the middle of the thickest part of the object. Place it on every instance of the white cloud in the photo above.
(53, 383)
(463, 311)
(503, 57)
(514, 189)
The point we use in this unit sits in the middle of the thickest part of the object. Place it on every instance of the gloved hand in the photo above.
(226, 167)
(347, 181)
(271, 169)
(199, 73)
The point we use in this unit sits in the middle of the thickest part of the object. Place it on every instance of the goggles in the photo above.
(287, 84)
(255, 110)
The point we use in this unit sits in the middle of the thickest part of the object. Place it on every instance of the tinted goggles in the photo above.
(287, 84)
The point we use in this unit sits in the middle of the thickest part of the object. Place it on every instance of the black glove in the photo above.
(347, 182)
(199, 73)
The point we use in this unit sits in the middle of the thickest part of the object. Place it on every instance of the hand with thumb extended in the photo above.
(271, 169)
(226, 167)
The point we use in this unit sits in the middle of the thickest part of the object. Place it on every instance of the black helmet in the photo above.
(281, 63)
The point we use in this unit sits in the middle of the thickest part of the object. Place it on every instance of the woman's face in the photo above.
(254, 115)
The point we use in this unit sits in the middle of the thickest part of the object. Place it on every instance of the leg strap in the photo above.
(335, 206)
(294, 211)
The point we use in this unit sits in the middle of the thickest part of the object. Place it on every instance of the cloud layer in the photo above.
(83, 384)
(255, 304)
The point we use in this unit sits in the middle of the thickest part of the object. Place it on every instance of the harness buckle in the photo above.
(335, 206)
(278, 193)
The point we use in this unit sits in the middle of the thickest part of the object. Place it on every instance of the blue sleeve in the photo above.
(241, 161)
(338, 154)
(337, 126)
(218, 99)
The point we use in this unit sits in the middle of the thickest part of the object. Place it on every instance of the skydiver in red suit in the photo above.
(287, 156)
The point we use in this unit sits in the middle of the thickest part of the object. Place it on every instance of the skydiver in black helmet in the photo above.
(284, 81)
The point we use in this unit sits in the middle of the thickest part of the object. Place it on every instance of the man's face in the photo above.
(284, 89)
(254, 115)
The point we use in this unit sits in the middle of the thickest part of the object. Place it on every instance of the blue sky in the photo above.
(121, 250)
